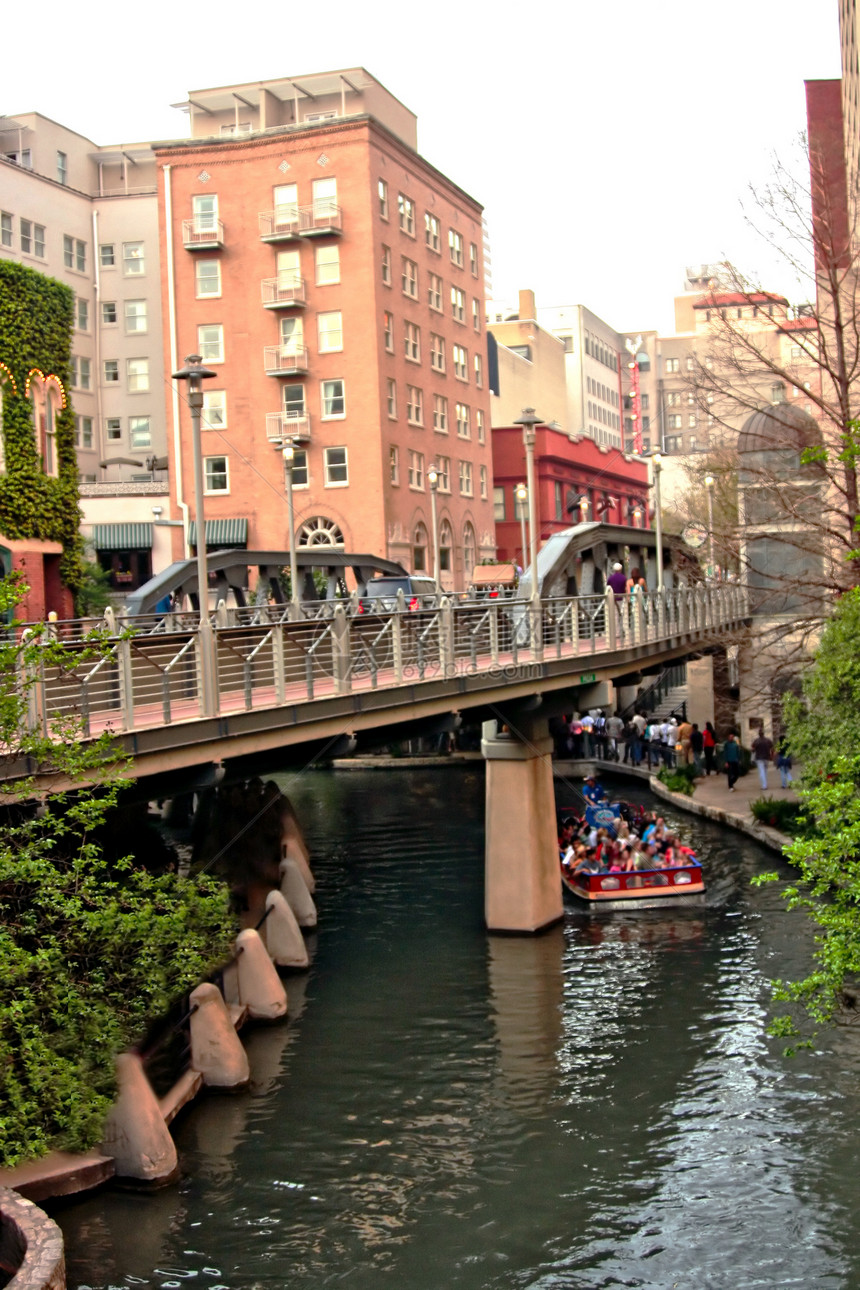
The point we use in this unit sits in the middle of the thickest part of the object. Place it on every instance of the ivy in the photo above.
(36, 320)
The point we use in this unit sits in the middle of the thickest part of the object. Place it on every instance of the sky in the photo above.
(611, 142)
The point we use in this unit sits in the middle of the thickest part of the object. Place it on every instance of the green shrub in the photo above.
(679, 780)
(777, 813)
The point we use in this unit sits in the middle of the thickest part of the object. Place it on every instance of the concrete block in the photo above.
(135, 1133)
(295, 892)
(282, 934)
(260, 987)
(216, 1049)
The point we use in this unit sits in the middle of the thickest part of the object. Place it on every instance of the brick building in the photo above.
(333, 281)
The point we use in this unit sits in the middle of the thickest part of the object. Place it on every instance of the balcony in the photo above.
(202, 233)
(282, 293)
(285, 360)
(321, 218)
(288, 425)
(280, 225)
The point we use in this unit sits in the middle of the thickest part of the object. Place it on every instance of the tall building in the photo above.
(332, 278)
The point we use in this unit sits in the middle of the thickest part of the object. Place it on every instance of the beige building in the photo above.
(531, 366)
(593, 364)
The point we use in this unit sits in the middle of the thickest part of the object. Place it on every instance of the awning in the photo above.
(122, 537)
(221, 533)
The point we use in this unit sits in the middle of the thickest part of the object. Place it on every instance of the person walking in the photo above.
(685, 729)
(709, 747)
(697, 746)
(783, 764)
(732, 759)
(762, 751)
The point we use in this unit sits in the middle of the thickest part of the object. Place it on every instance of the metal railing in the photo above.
(129, 674)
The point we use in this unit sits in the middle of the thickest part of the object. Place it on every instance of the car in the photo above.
(381, 593)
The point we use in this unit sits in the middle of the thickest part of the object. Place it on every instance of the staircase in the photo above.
(666, 696)
(673, 703)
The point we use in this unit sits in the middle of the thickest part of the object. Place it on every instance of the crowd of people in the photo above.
(638, 741)
(636, 840)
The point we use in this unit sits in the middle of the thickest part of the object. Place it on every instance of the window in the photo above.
(133, 262)
(458, 304)
(285, 198)
(80, 256)
(434, 293)
(691, 363)
(673, 365)
(324, 193)
(329, 332)
(416, 470)
(207, 278)
(85, 373)
(210, 343)
(691, 420)
(386, 265)
(455, 247)
(111, 371)
(466, 478)
(5, 228)
(479, 425)
(62, 168)
(140, 432)
(107, 255)
(108, 312)
(431, 232)
(440, 413)
(414, 406)
(406, 213)
(796, 351)
(135, 316)
(409, 278)
(498, 505)
(301, 475)
(68, 251)
(394, 464)
(333, 399)
(328, 264)
(419, 548)
(443, 471)
(558, 492)
(382, 194)
(473, 258)
(479, 370)
(476, 314)
(388, 331)
(83, 432)
(336, 469)
(674, 421)
(483, 477)
(294, 402)
(137, 374)
(672, 399)
(461, 360)
(113, 429)
(437, 352)
(464, 429)
(672, 442)
(392, 399)
(33, 238)
(412, 342)
(83, 314)
(204, 208)
(214, 410)
(216, 477)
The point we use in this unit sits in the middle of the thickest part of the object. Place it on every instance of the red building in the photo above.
(576, 480)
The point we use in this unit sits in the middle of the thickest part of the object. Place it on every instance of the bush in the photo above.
(777, 813)
(679, 780)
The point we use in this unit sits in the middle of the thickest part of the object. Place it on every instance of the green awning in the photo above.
(122, 537)
(221, 533)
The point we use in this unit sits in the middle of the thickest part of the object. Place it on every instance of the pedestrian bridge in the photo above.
(178, 692)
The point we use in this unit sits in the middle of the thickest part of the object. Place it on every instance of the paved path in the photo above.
(713, 791)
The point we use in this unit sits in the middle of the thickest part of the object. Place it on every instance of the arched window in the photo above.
(47, 398)
(320, 531)
(446, 547)
(469, 545)
(419, 548)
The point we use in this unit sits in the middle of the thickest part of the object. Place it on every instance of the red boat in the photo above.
(644, 888)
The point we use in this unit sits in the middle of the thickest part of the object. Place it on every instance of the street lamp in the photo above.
(433, 481)
(288, 452)
(521, 493)
(194, 373)
(583, 510)
(657, 461)
(709, 484)
(528, 421)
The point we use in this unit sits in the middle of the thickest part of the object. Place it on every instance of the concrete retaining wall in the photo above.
(31, 1243)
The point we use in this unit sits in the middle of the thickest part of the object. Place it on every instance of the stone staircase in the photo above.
(672, 702)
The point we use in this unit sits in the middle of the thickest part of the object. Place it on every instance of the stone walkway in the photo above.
(713, 791)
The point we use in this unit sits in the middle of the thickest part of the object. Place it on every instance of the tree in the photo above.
(822, 731)
(90, 951)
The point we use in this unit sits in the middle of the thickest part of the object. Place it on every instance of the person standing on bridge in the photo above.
(617, 580)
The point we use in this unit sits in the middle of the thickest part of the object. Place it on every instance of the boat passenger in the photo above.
(593, 792)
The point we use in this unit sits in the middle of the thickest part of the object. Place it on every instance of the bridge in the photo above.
(179, 691)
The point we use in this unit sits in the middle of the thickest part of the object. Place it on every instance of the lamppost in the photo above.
(521, 493)
(288, 451)
(709, 484)
(657, 461)
(194, 373)
(433, 481)
(583, 510)
(528, 421)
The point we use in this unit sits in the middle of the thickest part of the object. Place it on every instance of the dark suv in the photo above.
(381, 593)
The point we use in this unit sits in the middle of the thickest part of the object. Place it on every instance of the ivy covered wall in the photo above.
(36, 319)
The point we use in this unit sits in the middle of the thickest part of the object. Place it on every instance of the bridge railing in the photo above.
(126, 680)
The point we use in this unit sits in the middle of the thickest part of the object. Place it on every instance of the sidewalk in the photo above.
(713, 791)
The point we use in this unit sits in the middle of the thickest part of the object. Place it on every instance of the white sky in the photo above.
(610, 141)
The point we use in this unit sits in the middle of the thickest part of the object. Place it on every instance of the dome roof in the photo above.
(780, 426)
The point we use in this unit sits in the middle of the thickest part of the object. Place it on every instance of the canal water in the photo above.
(599, 1106)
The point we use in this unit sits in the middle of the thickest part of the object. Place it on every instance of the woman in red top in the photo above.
(709, 745)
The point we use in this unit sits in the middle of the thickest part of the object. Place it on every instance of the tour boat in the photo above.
(640, 889)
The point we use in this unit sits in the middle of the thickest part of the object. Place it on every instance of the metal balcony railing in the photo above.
(285, 360)
(202, 233)
(286, 223)
(288, 425)
(283, 293)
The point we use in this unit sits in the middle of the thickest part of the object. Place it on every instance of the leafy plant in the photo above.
(777, 813)
(678, 780)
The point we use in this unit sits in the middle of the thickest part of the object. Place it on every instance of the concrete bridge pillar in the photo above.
(522, 882)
